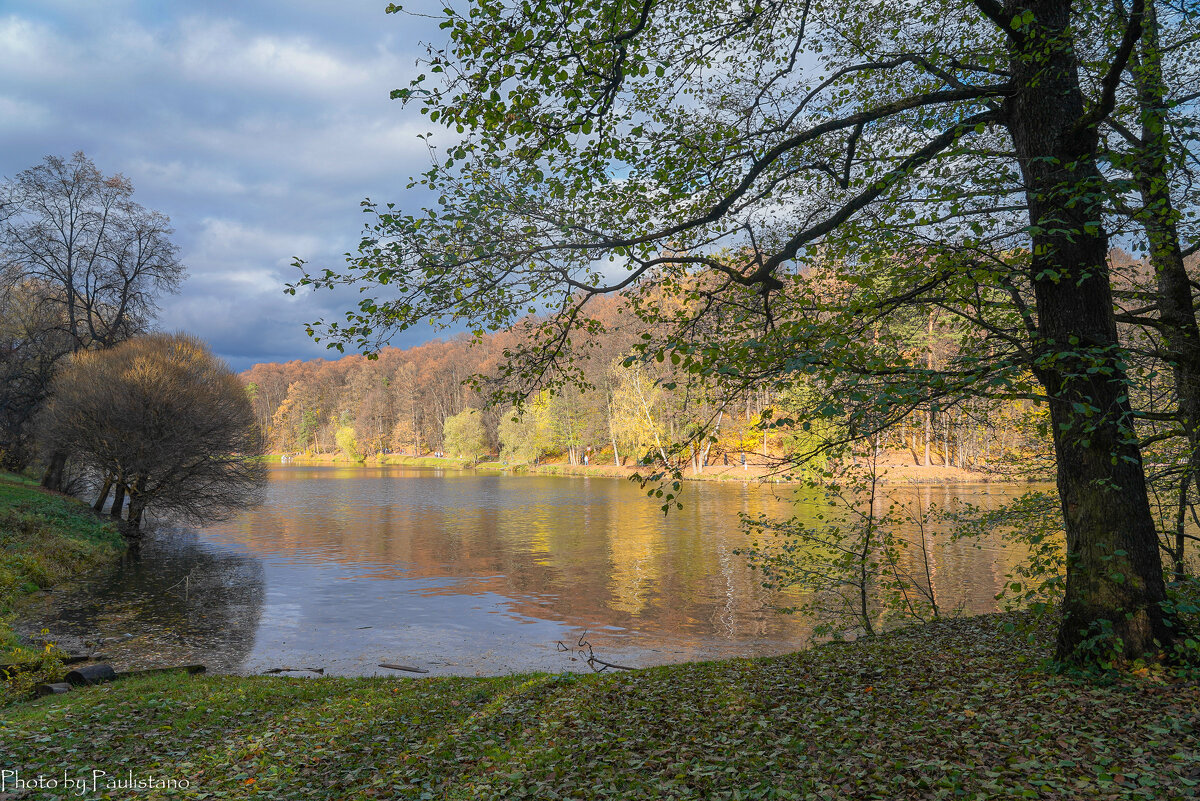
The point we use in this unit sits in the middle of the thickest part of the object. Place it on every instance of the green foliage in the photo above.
(1183, 598)
(807, 442)
(348, 443)
(465, 435)
(958, 709)
(847, 559)
(1032, 523)
(524, 435)
(29, 667)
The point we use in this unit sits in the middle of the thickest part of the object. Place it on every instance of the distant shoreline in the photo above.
(757, 473)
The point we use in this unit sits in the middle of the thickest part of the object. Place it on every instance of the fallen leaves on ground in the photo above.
(961, 709)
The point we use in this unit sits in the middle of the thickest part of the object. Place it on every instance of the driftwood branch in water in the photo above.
(191, 670)
(589, 655)
(321, 671)
(390, 666)
(102, 672)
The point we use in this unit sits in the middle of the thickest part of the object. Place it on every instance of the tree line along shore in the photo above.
(418, 401)
(892, 470)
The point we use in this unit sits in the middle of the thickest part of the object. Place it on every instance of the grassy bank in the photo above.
(956, 710)
(375, 461)
(423, 461)
(44, 539)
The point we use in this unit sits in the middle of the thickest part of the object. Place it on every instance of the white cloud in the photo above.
(196, 178)
(223, 53)
(333, 147)
(231, 242)
(28, 50)
(187, 177)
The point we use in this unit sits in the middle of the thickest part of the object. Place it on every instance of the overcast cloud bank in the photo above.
(258, 127)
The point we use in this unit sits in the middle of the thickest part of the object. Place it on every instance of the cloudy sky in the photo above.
(257, 125)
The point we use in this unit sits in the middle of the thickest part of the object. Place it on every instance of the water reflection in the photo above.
(182, 601)
(468, 573)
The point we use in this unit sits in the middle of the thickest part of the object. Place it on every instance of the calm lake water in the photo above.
(468, 574)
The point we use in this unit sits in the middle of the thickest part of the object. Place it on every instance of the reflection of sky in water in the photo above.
(468, 573)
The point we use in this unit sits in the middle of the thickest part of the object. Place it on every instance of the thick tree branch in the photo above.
(996, 13)
(1112, 79)
(859, 202)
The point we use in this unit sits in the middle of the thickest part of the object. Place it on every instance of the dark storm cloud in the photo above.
(258, 127)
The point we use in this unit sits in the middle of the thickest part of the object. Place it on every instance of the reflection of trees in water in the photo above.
(967, 574)
(181, 599)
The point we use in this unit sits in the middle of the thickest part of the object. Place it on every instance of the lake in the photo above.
(464, 573)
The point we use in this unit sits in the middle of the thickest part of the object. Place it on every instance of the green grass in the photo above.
(955, 710)
(388, 458)
(424, 461)
(44, 539)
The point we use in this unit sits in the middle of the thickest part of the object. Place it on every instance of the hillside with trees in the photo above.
(623, 408)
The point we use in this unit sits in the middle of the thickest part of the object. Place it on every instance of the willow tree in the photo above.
(641, 146)
(168, 424)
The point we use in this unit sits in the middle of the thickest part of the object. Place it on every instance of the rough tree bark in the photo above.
(103, 495)
(118, 501)
(1114, 573)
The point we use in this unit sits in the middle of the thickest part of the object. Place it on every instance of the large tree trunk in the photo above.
(118, 501)
(52, 479)
(1176, 310)
(1114, 573)
(928, 409)
(131, 529)
(103, 496)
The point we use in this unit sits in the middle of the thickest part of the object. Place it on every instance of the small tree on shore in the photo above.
(862, 562)
(465, 435)
(166, 421)
(347, 442)
(523, 433)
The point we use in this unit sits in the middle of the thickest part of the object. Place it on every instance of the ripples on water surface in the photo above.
(466, 573)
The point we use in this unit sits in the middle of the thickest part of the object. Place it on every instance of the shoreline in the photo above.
(48, 539)
(964, 707)
(752, 473)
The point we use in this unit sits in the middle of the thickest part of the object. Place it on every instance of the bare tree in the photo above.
(165, 419)
(87, 259)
